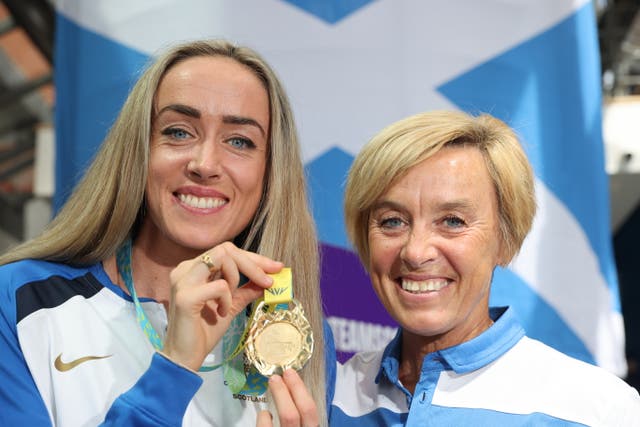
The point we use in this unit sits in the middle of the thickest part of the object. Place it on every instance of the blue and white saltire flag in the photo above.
(353, 66)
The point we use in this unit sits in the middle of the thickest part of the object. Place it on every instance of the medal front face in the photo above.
(279, 343)
(279, 339)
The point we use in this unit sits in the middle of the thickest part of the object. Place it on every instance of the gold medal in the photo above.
(279, 338)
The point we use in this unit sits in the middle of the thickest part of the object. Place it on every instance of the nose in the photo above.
(419, 249)
(205, 162)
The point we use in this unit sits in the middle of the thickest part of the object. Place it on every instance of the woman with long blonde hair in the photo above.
(196, 197)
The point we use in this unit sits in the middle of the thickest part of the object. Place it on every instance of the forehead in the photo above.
(211, 74)
(456, 172)
(215, 86)
(210, 66)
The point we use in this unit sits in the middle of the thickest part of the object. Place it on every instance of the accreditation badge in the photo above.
(280, 336)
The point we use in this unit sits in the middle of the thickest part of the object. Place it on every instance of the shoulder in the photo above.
(29, 285)
(31, 273)
(31, 270)
(534, 378)
(590, 393)
(20, 273)
(566, 371)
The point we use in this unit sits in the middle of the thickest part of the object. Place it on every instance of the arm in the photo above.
(20, 399)
(144, 405)
(22, 404)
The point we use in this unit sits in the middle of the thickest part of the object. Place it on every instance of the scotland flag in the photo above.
(353, 66)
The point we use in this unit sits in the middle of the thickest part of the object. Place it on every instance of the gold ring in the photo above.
(206, 259)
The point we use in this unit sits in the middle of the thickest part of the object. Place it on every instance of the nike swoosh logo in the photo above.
(66, 366)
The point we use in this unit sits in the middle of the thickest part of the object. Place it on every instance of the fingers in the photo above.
(231, 261)
(226, 261)
(294, 402)
(221, 300)
(265, 419)
(202, 278)
(302, 398)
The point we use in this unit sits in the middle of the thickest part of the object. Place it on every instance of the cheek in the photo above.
(159, 177)
(251, 185)
(382, 254)
(247, 176)
(256, 180)
(160, 168)
(474, 261)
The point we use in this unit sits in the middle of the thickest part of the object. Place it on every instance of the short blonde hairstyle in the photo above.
(108, 203)
(397, 148)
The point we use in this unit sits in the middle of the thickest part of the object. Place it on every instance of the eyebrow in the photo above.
(458, 204)
(228, 119)
(238, 120)
(384, 204)
(462, 204)
(182, 109)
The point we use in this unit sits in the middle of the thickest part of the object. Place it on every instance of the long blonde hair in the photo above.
(108, 202)
(405, 143)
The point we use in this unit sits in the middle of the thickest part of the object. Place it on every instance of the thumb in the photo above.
(245, 295)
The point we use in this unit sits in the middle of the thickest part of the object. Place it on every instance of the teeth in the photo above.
(201, 202)
(423, 286)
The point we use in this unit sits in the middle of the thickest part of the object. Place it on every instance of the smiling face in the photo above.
(434, 243)
(208, 154)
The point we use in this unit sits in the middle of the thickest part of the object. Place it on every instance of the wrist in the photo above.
(172, 360)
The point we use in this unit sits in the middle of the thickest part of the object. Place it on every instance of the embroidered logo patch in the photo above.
(66, 366)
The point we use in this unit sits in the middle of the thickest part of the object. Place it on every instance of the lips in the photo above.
(201, 202)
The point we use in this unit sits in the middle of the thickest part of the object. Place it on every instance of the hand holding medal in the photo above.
(206, 298)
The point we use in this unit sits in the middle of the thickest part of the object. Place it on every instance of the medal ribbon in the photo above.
(281, 292)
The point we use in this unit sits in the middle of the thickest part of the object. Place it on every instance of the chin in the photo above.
(196, 241)
(424, 327)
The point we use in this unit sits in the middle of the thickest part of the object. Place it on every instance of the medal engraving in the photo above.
(279, 339)
(279, 343)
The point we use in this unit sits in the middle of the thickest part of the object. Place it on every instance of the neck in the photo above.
(150, 275)
(151, 263)
(415, 348)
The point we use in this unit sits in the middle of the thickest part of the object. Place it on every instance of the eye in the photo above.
(391, 223)
(240, 143)
(176, 133)
(453, 221)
